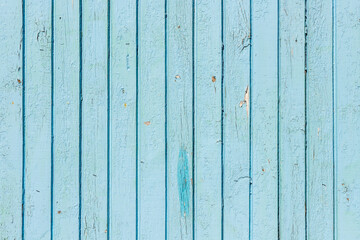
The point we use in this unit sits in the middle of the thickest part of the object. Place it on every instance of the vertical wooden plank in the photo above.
(292, 120)
(66, 120)
(348, 118)
(264, 122)
(208, 71)
(151, 120)
(94, 120)
(179, 102)
(11, 119)
(236, 121)
(123, 115)
(319, 121)
(38, 119)
(123, 120)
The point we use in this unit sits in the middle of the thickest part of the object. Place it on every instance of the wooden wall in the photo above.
(180, 119)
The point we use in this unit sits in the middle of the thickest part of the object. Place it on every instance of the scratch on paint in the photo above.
(246, 100)
(183, 182)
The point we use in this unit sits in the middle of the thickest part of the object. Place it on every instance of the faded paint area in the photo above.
(183, 181)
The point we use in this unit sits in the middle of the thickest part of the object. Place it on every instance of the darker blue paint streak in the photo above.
(183, 182)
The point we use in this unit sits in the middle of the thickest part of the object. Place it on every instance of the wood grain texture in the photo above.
(264, 123)
(66, 120)
(236, 121)
(94, 120)
(37, 119)
(208, 64)
(347, 118)
(319, 120)
(123, 120)
(11, 144)
(179, 121)
(151, 120)
(292, 205)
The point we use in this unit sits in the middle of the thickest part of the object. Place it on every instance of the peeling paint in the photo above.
(246, 100)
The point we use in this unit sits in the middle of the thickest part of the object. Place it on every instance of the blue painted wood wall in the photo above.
(180, 119)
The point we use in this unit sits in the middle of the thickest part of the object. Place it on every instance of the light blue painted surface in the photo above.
(347, 118)
(11, 128)
(151, 120)
(37, 111)
(236, 29)
(66, 120)
(292, 120)
(208, 120)
(94, 141)
(123, 120)
(116, 119)
(179, 120)
(319, 127)
(264, 122)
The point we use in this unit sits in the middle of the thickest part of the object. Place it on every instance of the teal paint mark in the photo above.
(183, 182)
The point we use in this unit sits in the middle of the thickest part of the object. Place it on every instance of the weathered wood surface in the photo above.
(66, 100)
(11, 125)
(172, 119)
(264, 111)
(319, 93)
(37, 109)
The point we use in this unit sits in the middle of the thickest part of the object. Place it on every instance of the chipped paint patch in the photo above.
(147, 123)
(183, 182)
(246, 100)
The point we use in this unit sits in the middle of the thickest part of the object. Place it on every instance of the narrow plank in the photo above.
(94, 120)
(292, 120)
(319, 121)
(11, 119)
(208, 65)
(38, 119)
(151, 120)
(236, 121)
(179, 102)
(348, 117)
(123, 120)
(66, 120)
(264, 123)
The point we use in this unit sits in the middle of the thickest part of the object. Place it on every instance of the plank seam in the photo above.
(52, 126)
(108, 121)
(166, 129)
(137, 120)
(80, 113)
(222, 118)
(334, 123)
(193, 119)
(306, 117)
(278, 118)
(250, 122)
(23, 124)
